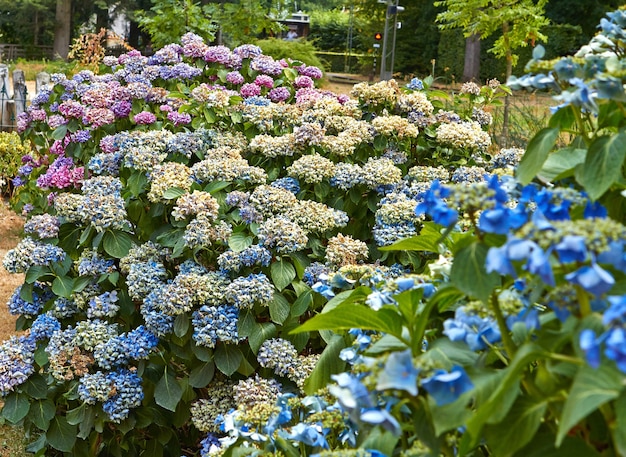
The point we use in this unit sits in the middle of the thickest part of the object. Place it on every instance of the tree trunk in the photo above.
(62, 29)
(471, 67)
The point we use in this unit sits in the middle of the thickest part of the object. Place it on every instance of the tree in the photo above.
(519, 21)
(63, 28)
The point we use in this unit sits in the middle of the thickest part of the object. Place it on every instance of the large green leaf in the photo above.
(262, 331)
(349, 315)
(41, 413)
(63, 286)
(173, 193)
(15, 407)
(227, 358)
(117, 243)
(36, 387)
(562, 163)
(603, 164)
(517, 429)
(509, 382)
(61, 435)
(591, 389)
(420, 242)
(279, 308)
(202, 375)
(168, 392)
(620, 425)
(536, 154)
(239, 241)
(283, 273)
(542, 445)
(329, 363)
(469, 275)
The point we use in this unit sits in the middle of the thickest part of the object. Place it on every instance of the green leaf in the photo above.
(468, 272)
(168, 392)
(328, 364)
(77, 415)
(509, 382)
(620, 425)
(382, 440)
(349, 315)
(283, 273)
(518, 428)
(41, 413)
(63, 286)
(427, 243)
(36, 387)
(302, 303)
(228, 358)
(35, 272)
(181, 325)
(216, 186)
(279, 308)
(542, 445)
(591, 389)
(562, 163)
(136, 183)
(202, 375)
(203, 354)
(173, 193)
(117, 243)
(262, 331)
(59, 133)
(603, 164)
(536, 154)
(15, 407)
(239, 241)
(61, 435)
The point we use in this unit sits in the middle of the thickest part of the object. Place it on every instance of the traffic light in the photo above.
(378, 36)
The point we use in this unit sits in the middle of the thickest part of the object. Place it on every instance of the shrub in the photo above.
(11, 150)
(184, 209)
(300, 50)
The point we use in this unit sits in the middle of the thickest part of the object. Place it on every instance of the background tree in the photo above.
(62, 29)
(519, 21)
(27, 22)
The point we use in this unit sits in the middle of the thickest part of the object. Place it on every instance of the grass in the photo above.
(32, 67)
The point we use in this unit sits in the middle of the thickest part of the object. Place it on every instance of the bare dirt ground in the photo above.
(10, 231)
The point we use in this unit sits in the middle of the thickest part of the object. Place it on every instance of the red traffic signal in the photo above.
(378, 36)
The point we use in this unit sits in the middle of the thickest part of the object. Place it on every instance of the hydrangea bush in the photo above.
(222, 259)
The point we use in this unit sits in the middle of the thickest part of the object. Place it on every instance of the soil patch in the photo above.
(11, 226)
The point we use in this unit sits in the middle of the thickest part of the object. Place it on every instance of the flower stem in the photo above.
(509, 345)
(583, 301)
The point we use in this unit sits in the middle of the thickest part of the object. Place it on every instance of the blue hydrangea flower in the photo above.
(593, 278)
(446, 387)
(399, 373)
(591, 347)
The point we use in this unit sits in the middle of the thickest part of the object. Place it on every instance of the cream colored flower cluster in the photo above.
(344, 250)
(378, 94)
(274, 146)
(167, 176)
(312, 168)
(397, 126)
(198, 202)
(415, 102)
(380, 172)
(464, 135)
